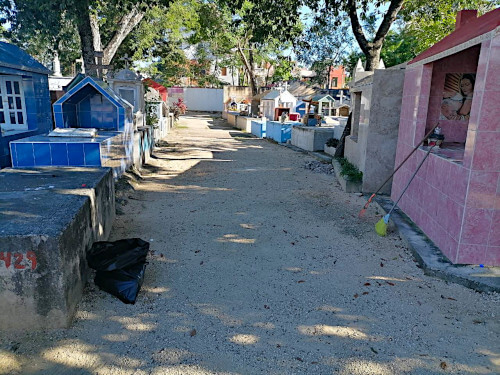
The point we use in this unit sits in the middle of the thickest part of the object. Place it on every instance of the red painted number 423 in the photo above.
(16, 259)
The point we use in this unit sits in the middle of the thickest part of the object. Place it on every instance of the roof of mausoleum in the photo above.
(13, 57)
(465, 32)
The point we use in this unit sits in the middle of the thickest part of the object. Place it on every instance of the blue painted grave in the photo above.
(258, 128)
(89, 104)
(280, 132)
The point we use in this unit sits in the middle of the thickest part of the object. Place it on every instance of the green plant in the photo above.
(332, 142)
(349, 170)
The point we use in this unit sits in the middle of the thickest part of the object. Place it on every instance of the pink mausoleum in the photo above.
(455, 197)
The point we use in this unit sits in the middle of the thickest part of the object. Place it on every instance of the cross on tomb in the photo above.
(126, 59)
(99, 67)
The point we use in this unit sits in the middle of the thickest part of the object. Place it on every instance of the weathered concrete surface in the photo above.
(48, 218)
(383, 129)
(372, 143)
(260, 266)
(311, 138)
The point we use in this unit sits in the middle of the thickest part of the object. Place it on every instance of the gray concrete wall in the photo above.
(204, 99)
(382, 132)
(311, 138)
(49, 219)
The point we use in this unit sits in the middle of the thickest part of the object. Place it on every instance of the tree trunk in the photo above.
(96, 34)
(85, 32)
(372, 49)
(373, 59)
(125, 26)
(328, 80)
(248, 68)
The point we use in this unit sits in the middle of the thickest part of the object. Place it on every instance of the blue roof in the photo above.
(101, 86)
(13, 57)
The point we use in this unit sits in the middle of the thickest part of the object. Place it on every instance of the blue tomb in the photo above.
(24, 98)
(89, 104)
(258, 128)
(280, 132)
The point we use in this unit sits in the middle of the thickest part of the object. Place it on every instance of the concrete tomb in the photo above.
(280, 132)
(376, 107)
(311, 138)
(277, 102)
(157, 111)
(49, 218)
(258, 128)
(89, 104)
(455, 197)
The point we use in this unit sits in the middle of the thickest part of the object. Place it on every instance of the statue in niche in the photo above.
(457, 96)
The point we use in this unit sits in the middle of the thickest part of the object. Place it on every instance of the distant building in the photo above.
(336, 80)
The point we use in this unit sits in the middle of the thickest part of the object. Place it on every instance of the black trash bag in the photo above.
(124, 283)
(110, 256)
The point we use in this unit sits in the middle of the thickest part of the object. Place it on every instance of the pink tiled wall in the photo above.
(457, 206)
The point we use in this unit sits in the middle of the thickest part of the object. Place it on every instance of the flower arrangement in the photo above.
(180, 106)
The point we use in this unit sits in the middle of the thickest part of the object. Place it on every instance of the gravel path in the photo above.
(259, 265)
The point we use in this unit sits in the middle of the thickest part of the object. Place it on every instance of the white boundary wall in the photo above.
(204, 99)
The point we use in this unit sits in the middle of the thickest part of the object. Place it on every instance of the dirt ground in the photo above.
(261, 266)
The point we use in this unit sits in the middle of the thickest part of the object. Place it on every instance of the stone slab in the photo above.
(49, 217)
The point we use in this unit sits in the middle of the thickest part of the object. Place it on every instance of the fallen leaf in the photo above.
(356, 295)
(443, 365)
(391, 284)
(192, 333)
(301, 281)
(314, 363)
(477, 321)
(367, 284)
(365, 293)
(450, 298)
